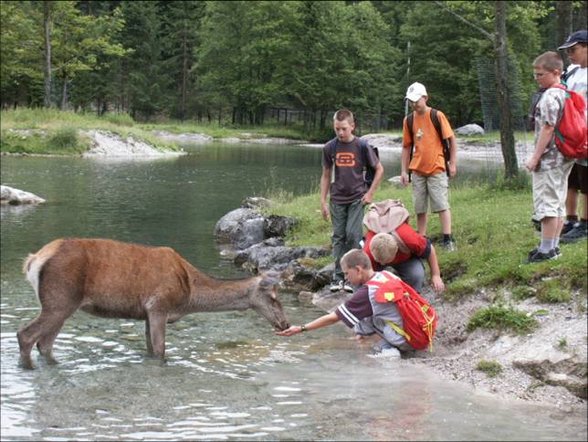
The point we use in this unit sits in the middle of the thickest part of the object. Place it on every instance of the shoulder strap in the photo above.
(567, 74)
(409, 121)
(436, 123)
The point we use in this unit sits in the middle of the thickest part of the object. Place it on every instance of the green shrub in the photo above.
(553, 291)
(64, 139)
(502, 318)
(120, 119)
(491, 368)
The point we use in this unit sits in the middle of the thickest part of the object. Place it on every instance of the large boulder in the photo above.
(15, 197)
(241, 228)
(470, 129)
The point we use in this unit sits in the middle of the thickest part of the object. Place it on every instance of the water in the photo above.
(228, 377)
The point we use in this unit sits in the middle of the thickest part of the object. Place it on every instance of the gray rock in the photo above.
(470, 129)
(15, 197)
(240, 227)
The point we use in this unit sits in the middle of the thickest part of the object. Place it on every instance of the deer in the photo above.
(114, 279)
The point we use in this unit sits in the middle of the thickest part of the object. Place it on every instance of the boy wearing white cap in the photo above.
(427, 164)
(576, 46)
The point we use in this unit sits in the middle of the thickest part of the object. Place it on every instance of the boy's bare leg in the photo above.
(422, 223)
(445, 219)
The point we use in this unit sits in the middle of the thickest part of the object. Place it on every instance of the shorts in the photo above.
(432, 189)
(578, 178)
(549, 192)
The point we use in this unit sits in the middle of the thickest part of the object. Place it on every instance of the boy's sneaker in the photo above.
(536, 249)
(336, 286)
(540, 256)
(568, 225)
(580, 231)
(384, 349)
(449, 245)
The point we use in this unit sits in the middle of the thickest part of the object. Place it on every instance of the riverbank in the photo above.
(544, 363)
(494, 233)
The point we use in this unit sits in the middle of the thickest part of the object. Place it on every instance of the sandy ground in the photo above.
(535, 367)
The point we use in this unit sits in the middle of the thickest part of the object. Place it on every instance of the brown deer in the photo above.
(113, 279)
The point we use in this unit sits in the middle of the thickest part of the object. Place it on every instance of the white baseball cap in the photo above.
(415, 91)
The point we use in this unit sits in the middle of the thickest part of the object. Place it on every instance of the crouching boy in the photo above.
(362, 311)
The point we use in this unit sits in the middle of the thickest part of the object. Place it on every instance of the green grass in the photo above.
(493, 230)
(50, 131)
(491, 368)
(502, 318)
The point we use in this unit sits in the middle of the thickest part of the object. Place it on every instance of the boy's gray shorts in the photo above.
(550, 191)
(433, 189)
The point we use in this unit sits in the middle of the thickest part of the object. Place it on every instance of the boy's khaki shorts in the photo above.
(434, 188)
(550, 190)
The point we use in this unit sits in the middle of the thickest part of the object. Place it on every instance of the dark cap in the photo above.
(577, 37)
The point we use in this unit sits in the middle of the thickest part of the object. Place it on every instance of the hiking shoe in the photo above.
(336, 286)
(384, 349)
(449, 245)
(568, 225)
(580, 231)
(540, 256)
(536, 249)
(381, 345)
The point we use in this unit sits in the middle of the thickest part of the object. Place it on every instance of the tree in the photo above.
(47, 29)
(180, 33)
(143, 80)
(21, 56)
(501, 48)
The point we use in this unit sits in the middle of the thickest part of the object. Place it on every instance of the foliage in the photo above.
(502, 318)
(553, 291)
(494, 233)
(491, 368)
(232, 61)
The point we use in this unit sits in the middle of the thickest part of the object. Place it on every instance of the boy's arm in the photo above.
(323, 321)
(543, 140)
(378, 175)
(404, 162)
(436, 280)
(325, 184)
(452, 156)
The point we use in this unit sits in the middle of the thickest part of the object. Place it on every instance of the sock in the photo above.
(555, 243)
(447, 238)
(571, 219)
(546, 245)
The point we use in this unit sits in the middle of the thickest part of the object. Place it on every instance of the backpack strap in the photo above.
(566, 75)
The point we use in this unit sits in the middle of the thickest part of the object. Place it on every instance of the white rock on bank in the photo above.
(12, 196)
(105, 144)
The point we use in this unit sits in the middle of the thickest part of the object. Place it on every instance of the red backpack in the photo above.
(418, 316)
(570, 132)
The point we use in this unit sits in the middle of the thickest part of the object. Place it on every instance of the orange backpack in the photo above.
(418, 316)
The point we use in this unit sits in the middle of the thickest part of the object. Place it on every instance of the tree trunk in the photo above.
(64, 95)
(564, 17)
(47, 22)
(511, 168)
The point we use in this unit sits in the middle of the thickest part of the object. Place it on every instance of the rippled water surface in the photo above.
(228, 377)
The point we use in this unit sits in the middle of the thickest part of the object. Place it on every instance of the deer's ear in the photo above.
(274, 295)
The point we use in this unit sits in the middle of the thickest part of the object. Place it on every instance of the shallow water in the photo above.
(227, 377)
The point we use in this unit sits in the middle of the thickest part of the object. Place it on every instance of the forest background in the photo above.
(276, 62)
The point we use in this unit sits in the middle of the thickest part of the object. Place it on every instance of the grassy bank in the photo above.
(493, 230)
(50, 131)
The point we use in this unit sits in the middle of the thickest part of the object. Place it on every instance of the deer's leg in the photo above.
(148, 337)
(157, 322)
(46, 341)
(31, 334)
